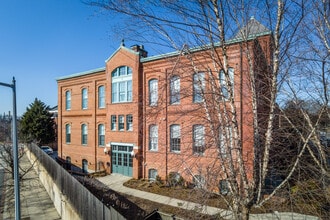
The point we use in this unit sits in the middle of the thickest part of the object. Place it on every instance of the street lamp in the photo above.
(15, 150)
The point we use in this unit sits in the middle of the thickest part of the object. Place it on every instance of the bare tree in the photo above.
(274, 77)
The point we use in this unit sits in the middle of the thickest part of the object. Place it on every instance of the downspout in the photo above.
(95, 107)
(59, 122)
(144, 128)
(166, 125)
(241, 93)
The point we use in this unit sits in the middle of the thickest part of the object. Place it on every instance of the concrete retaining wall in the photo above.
(61, 204)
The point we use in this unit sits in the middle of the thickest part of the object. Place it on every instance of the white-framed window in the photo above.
(113, 122)
(101, 97)
(198, 87)
(84, 98)
(129, 122)
(223, 85)
(84, 134)
(67, 100)
(198, 139)
(175, 138)
(121, 84)
(153, 137)
(121, 122)
(101, 135)
(226, 140)
(68, 133)
(223, 186)
(199, 181)
(153, 174)
(153, 92)
(175, 90)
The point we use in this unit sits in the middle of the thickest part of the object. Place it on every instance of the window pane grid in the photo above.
(84, 98)
(175, 90)
(67, 133)
(122, 85)
(224, 89)
(153, 174)
(121, 123)
(198, 87)
(101, 134)
(175, 140)
(101, 101)
(113, 122)
(198, 139)
(153, 138)
(67, 100)
(129, 121)
(153, 92)
(84, 134)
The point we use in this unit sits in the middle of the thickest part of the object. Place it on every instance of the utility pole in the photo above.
(15, 150)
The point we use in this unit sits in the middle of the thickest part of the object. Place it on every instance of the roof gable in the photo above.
(122, 47)
(252, 29)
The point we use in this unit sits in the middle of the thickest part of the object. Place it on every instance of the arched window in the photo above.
(68, 100)
(101, 134)
(84, 134)
(101, 97)
(68, 163)
(153, 92)
(121, 84)
(84, 98)
(68, 133)
(198, 87)
(175, 90)
(84, 166)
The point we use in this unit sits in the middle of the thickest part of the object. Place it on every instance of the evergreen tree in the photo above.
(37, 124)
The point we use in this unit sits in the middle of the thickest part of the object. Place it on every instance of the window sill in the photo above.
(121, 102)
(199, 154)
(175, 152)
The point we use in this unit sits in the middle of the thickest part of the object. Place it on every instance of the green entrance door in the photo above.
(122, 161)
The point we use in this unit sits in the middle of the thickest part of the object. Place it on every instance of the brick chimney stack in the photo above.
(140, 49)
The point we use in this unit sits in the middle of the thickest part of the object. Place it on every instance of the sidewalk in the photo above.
(115, 182)
(34, 201)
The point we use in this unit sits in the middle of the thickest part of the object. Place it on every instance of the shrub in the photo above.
(175, 179)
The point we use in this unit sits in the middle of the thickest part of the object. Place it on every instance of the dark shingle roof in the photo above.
(252, 29)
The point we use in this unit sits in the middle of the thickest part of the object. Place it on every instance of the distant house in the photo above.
(139, 116)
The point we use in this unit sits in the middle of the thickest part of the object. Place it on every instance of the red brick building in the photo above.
(145, 116)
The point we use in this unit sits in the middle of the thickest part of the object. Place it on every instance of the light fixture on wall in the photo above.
(132, 153)
(106, 151)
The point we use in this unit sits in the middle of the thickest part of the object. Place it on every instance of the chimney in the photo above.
(140, 49)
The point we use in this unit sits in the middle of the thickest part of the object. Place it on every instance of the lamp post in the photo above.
(15, 150)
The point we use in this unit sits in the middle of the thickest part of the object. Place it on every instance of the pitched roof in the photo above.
(252, 29)
(82, 73)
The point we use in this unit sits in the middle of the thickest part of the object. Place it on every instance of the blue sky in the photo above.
(41, 40)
